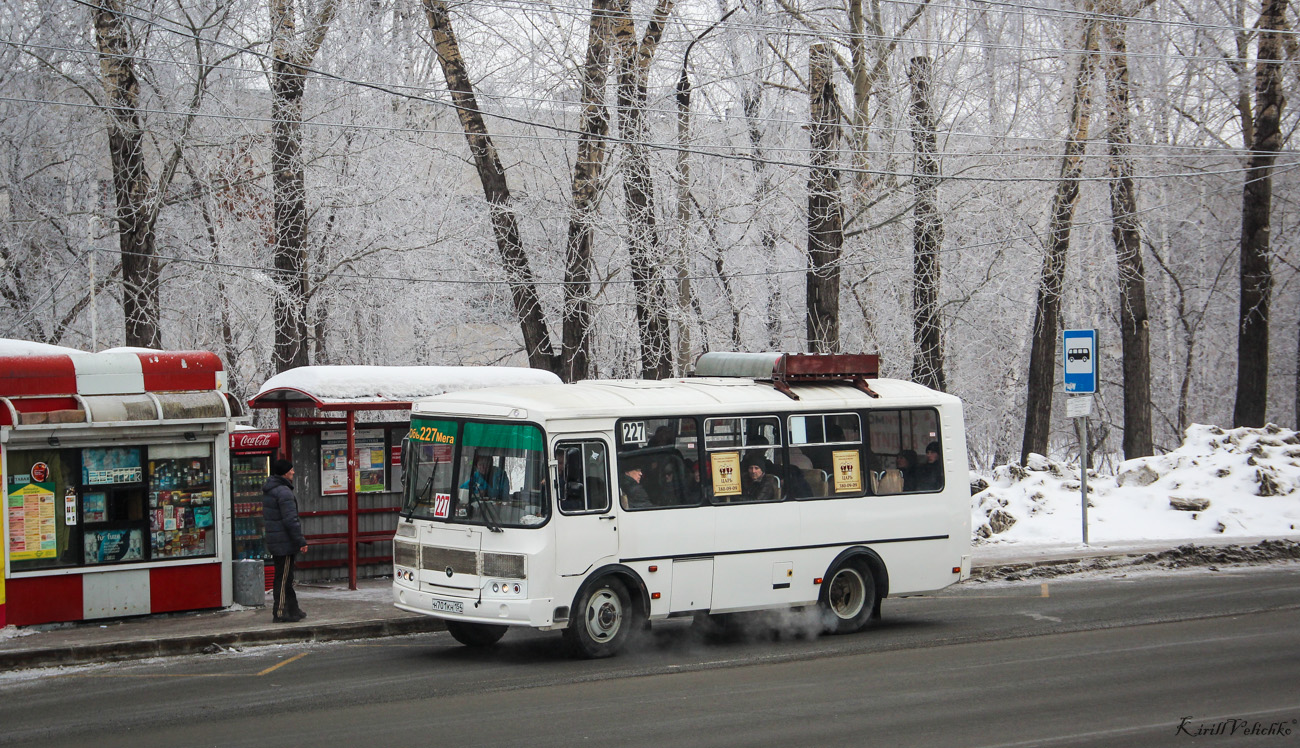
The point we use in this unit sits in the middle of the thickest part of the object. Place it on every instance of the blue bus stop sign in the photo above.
(1080, 350)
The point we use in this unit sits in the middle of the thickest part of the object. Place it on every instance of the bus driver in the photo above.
(487, 481)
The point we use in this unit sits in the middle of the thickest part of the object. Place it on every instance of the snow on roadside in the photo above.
(1229, 483)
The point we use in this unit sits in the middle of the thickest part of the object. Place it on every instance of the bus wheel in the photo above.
(605, 619)
(475, 634)
(848, 598)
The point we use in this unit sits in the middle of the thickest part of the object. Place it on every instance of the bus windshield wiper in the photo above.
(422, 495)
(489, 515)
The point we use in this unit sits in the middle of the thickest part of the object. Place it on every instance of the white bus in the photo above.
(765, 481)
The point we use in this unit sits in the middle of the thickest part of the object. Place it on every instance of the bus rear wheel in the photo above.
(604, 619)
(475, 634)
(848, 598)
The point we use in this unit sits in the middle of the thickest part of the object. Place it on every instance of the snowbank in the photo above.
(1239, 482)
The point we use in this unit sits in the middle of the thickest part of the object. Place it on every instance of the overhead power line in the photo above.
(1164, 148)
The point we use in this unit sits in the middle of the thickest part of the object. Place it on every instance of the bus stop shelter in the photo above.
(312, 397)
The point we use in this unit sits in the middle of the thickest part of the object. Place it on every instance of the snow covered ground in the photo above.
(1219, 484)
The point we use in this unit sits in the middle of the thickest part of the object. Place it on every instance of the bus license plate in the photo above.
(447, 606)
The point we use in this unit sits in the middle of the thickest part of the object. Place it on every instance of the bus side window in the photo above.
(825, 455)
(906, 451)
(583, 486)
(663, 453)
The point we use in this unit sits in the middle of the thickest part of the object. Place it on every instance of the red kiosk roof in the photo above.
(110, 373)
(37, 378)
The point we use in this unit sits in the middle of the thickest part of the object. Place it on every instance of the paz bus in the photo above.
(764, 481)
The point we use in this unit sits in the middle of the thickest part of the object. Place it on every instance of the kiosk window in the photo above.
(43, 534)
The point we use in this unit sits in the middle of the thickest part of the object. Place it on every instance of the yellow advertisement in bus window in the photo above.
(726, 473)
(848, 473)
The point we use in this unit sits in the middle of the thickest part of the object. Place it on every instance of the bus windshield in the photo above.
(491, 474)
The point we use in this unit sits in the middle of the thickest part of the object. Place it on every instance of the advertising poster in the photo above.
(370, 459)
(333, 462)
(848, 475)
(32, 525)
(111, 466)
(726, 473)
(112, 546)
(94, 507)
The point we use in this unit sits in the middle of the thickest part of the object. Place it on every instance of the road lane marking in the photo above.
(279, 665)
(1041, 617)
(1045, 590)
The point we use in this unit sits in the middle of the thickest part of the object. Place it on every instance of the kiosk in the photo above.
(117, 497)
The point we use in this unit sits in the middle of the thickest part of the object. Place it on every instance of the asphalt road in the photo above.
(1144, 660)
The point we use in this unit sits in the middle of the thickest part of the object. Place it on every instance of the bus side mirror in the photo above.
(406, 458)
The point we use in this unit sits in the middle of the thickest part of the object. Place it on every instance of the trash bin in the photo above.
(248, 582)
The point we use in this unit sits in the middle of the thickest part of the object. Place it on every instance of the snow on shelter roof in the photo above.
(397, 386)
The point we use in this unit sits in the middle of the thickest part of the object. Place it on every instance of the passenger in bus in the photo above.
(693, 492)
(667, 483)
(631, 492)
(796, 485)
(664, 436)
(487, 481)
(906, 463)
(929, 475)
(763, 486)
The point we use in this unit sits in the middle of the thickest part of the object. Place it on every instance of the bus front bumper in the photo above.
(536, 612)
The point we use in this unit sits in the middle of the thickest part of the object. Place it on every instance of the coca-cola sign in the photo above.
(255, 440)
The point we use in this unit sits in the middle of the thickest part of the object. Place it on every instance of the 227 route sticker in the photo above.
(442, 505)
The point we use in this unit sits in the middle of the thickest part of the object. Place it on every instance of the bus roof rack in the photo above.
(785, 369)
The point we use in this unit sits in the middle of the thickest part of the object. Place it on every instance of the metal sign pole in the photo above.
(1083, 479)
(1079, 365)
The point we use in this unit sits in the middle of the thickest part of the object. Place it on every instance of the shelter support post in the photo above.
(352, 499)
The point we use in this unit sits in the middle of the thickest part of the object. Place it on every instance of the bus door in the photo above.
(586, 531)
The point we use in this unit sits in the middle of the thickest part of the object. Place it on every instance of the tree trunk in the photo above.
(587, 172)
(1135, 333)
(684, 347)
(825, 212)
(750, 103)
(927, 234)
(289, 200)
(859, 127)
(1256, 204)
(492, 175)
(292, 52)
(131, 182)
(686, 301)
(638, 192)
(1047, 310)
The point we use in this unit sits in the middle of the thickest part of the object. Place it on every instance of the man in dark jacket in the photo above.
(284, 538)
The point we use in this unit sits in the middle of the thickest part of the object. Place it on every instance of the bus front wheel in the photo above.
(848, 597)
(604, 619)
(475, 634)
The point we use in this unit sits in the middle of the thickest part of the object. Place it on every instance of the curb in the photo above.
(90, 654)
